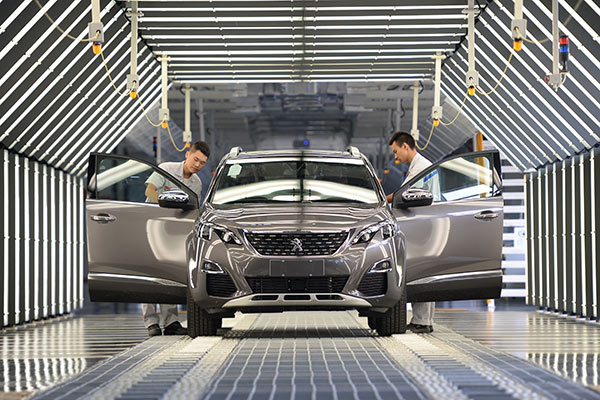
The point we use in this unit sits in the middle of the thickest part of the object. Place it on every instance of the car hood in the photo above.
(296, 217)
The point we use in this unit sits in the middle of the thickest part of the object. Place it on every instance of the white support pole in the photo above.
(132, 78)
(518, 9)
(158, 151)
(95, 11)
(95, 28)
(415, 115)
(201, 119)
(437, 110)
(555, 79)
(555, 40)
(398, 111)
(163, 112)
(187, 133)
(471, 35)
(472, 78)
(164, 81)
(518, 23)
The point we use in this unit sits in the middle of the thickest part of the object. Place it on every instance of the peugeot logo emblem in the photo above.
(297, 245)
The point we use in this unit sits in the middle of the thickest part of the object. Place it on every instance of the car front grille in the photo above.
(220, 285)
(374, 284)
(313, 284)
(296, 244)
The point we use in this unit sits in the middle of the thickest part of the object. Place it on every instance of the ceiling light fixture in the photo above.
(95, 28)
(163, 111)
(518, 26)
(437, 109)
(132, 77)
(472, 75)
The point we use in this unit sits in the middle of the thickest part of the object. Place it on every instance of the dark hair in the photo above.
(402, 137)
(202, 146)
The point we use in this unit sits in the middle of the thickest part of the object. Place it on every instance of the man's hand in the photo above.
(390, 197)
(152, 193)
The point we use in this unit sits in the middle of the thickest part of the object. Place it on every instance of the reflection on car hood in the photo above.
(296, 217)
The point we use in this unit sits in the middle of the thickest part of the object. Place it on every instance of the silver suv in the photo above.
(296, 230)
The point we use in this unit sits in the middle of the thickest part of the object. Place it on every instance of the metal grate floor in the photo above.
(310, 356)
(307, 355)
(39, 355)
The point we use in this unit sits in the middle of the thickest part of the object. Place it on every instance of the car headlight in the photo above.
(206, 230)
(227, 236)
(388, 229)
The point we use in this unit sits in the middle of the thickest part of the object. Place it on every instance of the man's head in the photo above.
(403, 146)
(196, 157)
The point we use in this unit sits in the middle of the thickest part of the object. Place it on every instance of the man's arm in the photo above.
(390, 197)
(152, 193)
(154, 182)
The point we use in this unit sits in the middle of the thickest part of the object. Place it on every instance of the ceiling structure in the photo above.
(335, 72)
(298, 41)
(332, 72)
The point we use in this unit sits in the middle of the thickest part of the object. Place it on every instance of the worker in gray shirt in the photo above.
(404, 148)
(186, 172)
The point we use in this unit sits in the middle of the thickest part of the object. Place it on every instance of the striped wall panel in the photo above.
(43, 240)
(57, 103)
(513, 235)
(562, 218)
(513, 248)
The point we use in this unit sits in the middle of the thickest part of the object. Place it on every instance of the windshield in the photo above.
(295, 180)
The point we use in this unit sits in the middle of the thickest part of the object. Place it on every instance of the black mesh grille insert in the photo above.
(296, 244)
(313, 284)
(374, 284)
(220, 285)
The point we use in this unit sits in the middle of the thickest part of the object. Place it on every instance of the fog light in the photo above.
(381, 266)
(210, 267)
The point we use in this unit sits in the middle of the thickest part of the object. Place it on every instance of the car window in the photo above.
(125, 180)
(459, 178)
(295, 181)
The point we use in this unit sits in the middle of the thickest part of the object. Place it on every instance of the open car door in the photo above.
(454, 245)
(136, 249)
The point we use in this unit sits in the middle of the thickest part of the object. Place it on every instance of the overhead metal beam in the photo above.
(163, 112)
(415, 116)
(133, 78)
(472, 78)
(187, 133)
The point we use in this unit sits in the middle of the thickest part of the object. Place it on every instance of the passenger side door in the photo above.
(136, 249)
(454, 245)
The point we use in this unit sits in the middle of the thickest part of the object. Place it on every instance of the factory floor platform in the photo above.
(473, 353)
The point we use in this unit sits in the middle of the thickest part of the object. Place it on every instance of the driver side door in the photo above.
(136, 249)
(454, 245)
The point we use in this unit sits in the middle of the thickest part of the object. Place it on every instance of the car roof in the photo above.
(295, 153)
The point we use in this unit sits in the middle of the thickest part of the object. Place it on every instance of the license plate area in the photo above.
(296, 268)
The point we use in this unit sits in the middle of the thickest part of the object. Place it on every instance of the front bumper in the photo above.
(297, 300)
(302, 278)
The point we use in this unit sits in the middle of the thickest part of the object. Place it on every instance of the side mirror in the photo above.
(413, 198)
(175, 199)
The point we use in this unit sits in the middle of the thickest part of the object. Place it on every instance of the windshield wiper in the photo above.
(256, 199)
(336, 200)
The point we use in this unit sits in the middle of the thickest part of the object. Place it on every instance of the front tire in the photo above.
(200, 323)
(372, 322)
(394, 322)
